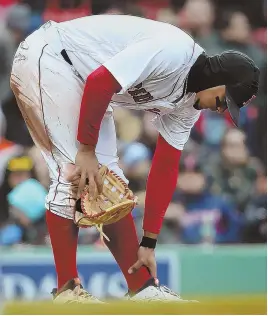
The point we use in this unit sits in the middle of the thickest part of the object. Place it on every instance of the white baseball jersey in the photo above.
(150, 60)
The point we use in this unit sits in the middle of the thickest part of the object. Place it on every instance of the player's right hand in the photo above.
(86, 167)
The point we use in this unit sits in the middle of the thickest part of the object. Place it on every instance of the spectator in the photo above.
(89, 236)
(103, 6)
(128, 126)
(116, 7)
(233, 173)
(16, 130)
(12, 32)
(236, 34)
(4, 8)
(260, 34)
(63, 10)
(211, 121)
(7, 149)
(37, 8)
(23, 197)
(136, 163)
(17, 25)
(197, 18)
(204, 217)
(171, 230)
(149, 134)
(150, 9)
(10, 233)
(260, 139)
(138, 212)
(255, 230)
(168, 14)
(41, 170)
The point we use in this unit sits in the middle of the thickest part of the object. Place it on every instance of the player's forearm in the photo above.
(161, 185)
(99, 89)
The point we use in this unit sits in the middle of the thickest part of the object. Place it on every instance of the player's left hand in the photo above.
(146, 257)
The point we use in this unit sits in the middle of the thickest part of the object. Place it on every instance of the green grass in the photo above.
(255, 305)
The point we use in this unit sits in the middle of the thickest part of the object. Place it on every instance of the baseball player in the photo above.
(67, 77)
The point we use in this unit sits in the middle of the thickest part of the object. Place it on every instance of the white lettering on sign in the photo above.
(24, 287)
(14, 283)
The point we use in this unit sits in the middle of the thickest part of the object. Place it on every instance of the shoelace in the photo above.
(84, 295)
(165, 289)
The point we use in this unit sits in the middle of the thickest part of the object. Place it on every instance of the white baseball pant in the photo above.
(49, 95)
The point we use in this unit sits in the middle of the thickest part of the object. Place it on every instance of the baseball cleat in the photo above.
(72, 293)
(152, 292)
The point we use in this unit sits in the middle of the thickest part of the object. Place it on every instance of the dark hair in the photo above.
(176, 5)
(101, 6)
(225, 17)
(66, 4)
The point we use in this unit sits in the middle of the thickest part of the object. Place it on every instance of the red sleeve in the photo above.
(161, 185)
(99, 88)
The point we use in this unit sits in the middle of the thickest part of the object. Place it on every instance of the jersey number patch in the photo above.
(140, 95)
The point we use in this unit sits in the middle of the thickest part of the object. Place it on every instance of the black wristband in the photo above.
(148, 242)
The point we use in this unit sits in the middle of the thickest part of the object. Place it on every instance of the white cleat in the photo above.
(72, 293)
(152, 292)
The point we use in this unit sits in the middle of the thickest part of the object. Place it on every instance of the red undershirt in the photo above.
(99, 88)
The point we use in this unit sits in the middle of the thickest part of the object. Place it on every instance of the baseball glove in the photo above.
(114, 203)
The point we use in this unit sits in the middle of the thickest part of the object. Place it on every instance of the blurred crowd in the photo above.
(221, 195)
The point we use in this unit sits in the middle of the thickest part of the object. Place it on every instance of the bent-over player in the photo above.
(67, 77)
